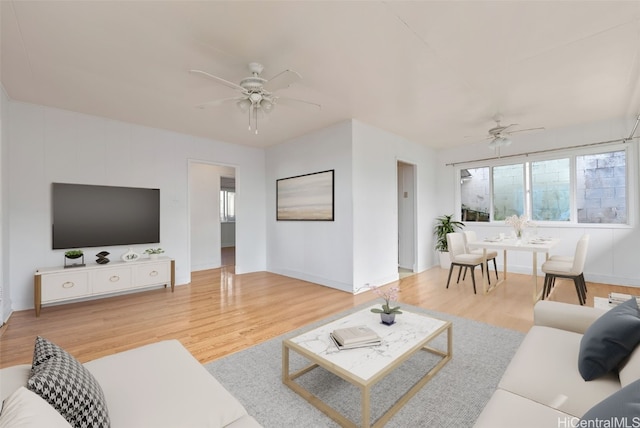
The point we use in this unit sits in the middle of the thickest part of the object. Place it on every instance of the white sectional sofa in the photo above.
(157, 385)
(543, 385)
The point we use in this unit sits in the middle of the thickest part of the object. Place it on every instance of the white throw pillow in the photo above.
(26, 409)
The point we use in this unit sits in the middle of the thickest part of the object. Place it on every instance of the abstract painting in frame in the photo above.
(308, 197)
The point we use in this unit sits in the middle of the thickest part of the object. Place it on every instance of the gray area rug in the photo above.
(453, 398)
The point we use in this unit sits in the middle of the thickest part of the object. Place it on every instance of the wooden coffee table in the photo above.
(364, 367)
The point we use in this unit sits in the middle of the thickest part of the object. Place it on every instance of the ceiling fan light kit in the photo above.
(257, 93)
(500, 141)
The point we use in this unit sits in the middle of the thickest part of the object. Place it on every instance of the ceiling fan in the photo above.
(257, 94)
(499, 135)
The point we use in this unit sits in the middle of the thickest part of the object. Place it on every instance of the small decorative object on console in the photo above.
(153, 252)
(130, 256)
(102, 258)
(73, 254)
(387, 313)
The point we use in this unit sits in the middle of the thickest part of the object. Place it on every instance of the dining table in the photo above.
(534, 245)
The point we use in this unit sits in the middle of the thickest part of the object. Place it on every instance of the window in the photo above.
(475, 194)
(227, 205)
(601, 195)
(508, 191)
(586, 187)
(551, 190)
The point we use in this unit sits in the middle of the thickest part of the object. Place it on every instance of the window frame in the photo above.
(632, 185)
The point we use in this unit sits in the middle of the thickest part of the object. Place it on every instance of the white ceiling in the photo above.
(434, 72)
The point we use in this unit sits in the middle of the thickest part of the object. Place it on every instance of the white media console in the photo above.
(57, 284)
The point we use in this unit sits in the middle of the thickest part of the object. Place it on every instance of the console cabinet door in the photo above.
(153, 273)
(63, 286)
(108, 280)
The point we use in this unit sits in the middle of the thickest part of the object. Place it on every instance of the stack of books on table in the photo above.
(354, 337)
(617, 298)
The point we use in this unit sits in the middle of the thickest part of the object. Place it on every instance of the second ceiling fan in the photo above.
(499, 134)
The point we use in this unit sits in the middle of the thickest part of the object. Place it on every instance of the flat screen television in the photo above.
(100, 216)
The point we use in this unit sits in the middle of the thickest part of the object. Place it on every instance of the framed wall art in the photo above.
(308, 197)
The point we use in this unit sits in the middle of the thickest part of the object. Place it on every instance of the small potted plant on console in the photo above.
(153, 252)
(73, 255)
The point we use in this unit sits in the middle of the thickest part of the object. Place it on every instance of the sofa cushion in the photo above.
(624, 405)
(26, 409)
(544, 369)
(69, 387)
(163, 385)
(609, 340)
(12, 378)
(507, 410)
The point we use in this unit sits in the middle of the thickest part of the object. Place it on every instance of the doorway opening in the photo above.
(228, 220)
(406, 219)
(212, 216)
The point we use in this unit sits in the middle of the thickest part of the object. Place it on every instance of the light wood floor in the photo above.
(220, 313)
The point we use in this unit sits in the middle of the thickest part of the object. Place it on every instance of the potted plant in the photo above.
(73, 254)
(445, 224)
(387, 313)
(153, 252)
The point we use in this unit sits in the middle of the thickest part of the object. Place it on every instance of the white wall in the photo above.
(204, 208)
(375, 201)
(317, 251)
(613, 249)
(50, 145)
(5, 290)
(360, 248)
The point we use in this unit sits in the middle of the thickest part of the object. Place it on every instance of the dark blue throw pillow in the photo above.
(619, 409)
(609, 340)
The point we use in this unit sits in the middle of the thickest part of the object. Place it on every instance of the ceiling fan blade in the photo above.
(508, 126)
(282, 80)
(528, 129)
(294, 101)
(216, 103)
(219, 80)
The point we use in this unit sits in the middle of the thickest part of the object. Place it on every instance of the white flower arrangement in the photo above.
(518, 223)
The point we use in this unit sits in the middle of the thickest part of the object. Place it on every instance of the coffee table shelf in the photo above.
(364, 367)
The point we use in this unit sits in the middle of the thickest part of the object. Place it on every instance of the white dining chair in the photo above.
(460, 257)
(471, 236)
(568, 269)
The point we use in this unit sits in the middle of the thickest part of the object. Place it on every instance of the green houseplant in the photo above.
(73, 254)
(445, 224)
(153, 252)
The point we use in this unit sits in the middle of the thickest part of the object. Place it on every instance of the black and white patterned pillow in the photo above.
(68, 386)
(42, 351)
